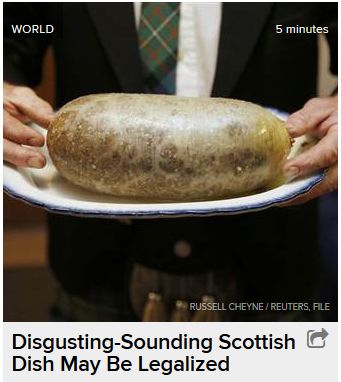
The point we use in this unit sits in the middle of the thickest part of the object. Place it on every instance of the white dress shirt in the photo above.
(199, 31)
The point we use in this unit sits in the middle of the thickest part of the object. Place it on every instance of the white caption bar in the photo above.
(150, 352)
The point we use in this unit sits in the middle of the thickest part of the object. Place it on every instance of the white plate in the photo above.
(47, 189)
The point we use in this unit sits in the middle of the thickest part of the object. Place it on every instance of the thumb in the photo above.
(323, 154)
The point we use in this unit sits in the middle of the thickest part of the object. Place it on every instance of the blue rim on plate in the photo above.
(307, 185)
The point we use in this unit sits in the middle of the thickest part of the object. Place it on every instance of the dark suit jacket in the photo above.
(274, 252)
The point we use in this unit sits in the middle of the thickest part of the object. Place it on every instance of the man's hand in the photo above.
(318, 117)
(22, 105)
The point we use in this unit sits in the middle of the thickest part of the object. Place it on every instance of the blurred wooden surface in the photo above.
(326, 82)
(25, 246)
(28, 294)
(47, 86)
(19, 214)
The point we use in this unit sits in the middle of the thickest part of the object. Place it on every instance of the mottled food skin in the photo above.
(167, 147)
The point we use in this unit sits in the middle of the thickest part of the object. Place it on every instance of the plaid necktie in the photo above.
(158, 41)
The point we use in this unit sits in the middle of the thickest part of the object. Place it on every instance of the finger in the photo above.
(327, 124)
(28, 103)
(310, 116)
(22, 156)
(323, 154)
(328, 184)
(11, 109)
(37, 112)
(17, 132)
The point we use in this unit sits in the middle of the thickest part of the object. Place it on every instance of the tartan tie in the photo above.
(158, 42)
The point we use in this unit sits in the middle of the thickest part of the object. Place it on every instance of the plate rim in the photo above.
(307, 185)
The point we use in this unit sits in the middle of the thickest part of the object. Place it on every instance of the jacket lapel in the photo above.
(241, 26)
(115, 25)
